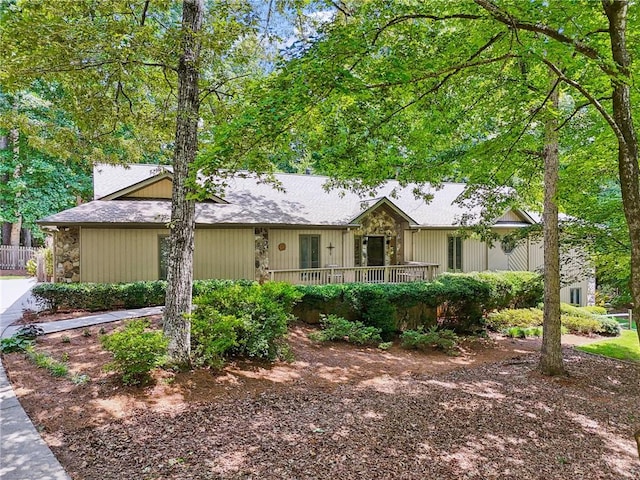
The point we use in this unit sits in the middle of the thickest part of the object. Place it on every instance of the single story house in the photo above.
(301, 233)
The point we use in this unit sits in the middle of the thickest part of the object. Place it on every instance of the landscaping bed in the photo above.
(340, 411)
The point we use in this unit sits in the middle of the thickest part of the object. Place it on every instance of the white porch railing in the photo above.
(386, 274)
(15, 258)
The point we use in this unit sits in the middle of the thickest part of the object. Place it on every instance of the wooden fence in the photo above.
(15, 258)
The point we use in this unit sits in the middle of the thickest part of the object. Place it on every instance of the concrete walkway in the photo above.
(23, 453)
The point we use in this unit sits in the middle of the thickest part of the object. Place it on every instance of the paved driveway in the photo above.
(15, 295)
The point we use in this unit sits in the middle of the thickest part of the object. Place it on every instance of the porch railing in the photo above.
(386, 274)
(15, 258)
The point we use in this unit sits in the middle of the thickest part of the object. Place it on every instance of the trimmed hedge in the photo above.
(110, 296)
(455, 301)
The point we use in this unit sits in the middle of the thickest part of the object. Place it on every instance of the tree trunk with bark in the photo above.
(177, 325)
(551, 359)
(616, 11)
(16, 226)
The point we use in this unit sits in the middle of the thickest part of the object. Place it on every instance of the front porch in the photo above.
(336, 274)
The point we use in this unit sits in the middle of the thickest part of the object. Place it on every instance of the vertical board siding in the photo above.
(289, 258)
(224, 253)
(160, 189)
(129, 255)
(474, 255)
(431, 246)
(536, 256)
(119, 255)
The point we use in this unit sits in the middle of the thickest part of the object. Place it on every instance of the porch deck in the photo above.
(335, 274)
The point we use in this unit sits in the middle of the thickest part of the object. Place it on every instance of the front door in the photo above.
(375, 251)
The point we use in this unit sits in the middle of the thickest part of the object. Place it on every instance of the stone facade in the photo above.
(67, 254)
(383, 221)
(262, 254)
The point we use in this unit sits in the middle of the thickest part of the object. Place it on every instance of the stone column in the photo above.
(66, 254)
(262, 254)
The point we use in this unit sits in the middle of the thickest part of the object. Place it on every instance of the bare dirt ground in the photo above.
(340, 411)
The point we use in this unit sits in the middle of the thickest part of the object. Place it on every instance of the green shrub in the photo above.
(32, 264)
(109, 296)
(580, 325)
(524, 317)
(136, 351)
(213, 336)
(338, 328)
(433, 337)
(261, 314)
(609, 327)
(385, 346)
(515, 332)
(15, 343)
(461, 300)
(596, 310)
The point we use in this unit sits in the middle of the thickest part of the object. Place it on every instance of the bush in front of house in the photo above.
(514, 317)
(433, 337)
(109, 296)
(335, 328)
(245, 321)
(455, 301)
(136, 351)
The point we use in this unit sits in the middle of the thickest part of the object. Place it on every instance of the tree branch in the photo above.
(417, 16)
(592, 100)
(516, 24)
(577, 109)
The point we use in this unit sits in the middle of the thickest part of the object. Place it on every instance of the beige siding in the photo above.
(129, 255)
(118, 254)
(289, 258)
(160, 189)
(536, 256)
(224, 253)
(408, 236)
(474, 255)
(431, 246)
(510, 216)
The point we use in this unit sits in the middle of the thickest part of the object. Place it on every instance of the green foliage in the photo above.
(242, 320)
(337, 328)
(609, 327)
(443, 339)
(385, 346)
(109, 296)
(595, 310)
(581, 325)
(32, 264)
(43, 360)
(213, 336)
(136, 351)
(461, 298)
(526, 317)
(520, 332)
(80, 379)
(15, 343)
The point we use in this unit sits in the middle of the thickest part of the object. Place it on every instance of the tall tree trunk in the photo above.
(551, 358)
(629, 172)
(177, 325)
(16, 226)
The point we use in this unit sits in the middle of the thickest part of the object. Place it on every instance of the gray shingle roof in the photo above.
(303, 200)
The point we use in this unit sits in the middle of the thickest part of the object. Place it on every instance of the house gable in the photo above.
(158, 187)
(513, 218)
(383, 205)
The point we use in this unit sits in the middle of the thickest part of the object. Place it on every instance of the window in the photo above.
(575, 296)
(163, 256)
(309, 251)
(454, 254)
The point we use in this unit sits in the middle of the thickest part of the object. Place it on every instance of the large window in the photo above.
(309, 251)
(454, 254)
(163, 256)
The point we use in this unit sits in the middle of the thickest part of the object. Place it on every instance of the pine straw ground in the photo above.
(341, 412)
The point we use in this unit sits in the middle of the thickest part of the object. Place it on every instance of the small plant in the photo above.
(609, 327)
(21, 340)
(385, 346)
(338, 328)
(65, 339)
(80, 379)
(102, 331)
(515, 332)
(15, 344)
(65, 357)
(420, 339)
(136, 351)
(43, 360)
(86, 333)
